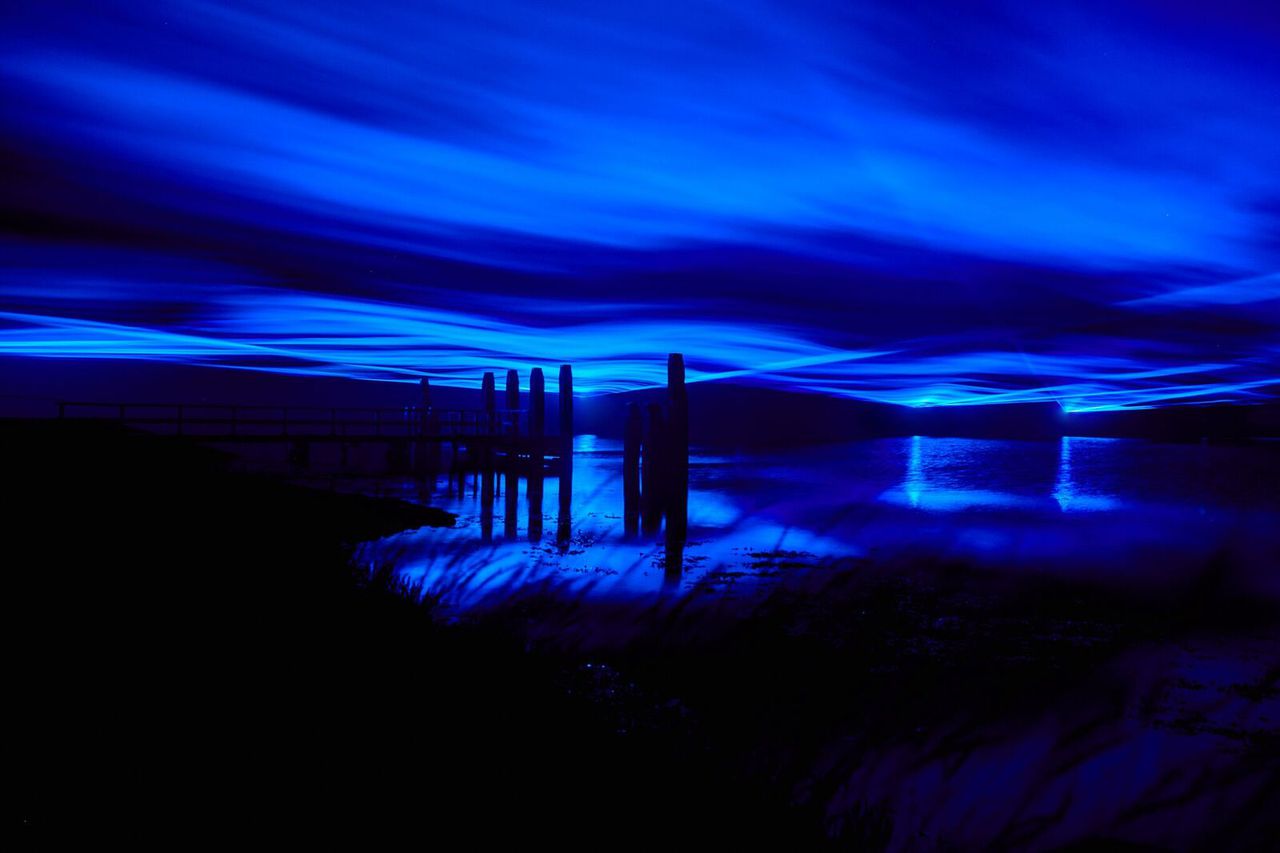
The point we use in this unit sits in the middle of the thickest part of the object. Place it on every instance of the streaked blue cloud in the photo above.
(216, 317)
(1018, 203)
(1260, 288)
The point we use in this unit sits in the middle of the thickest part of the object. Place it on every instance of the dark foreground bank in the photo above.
(197, 652)
(194, 653)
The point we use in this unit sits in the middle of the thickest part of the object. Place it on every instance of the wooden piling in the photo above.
(513, 390)
(424, 409)
(426, 454)
(673, 558)
(510, 505)
(537, 402)
(564, 520)
(678, 399)
(654, 461)
(677, 469)
(488, 400)
(487, 481)
(566, 406)
(513, 400)
(633, 436)
(534, 494)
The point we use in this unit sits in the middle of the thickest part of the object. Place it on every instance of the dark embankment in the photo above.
(193, 651)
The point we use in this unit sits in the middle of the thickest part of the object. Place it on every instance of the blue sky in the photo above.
(908, 202)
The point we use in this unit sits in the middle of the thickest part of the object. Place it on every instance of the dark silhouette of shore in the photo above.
(195, 650)
(198, 650)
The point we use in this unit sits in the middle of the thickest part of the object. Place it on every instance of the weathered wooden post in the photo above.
(455, 469)
(513, 400)
(488, 401)
(510, 506)
(535, 503)
(537, 428)
(654, 461)
(486, 504)
(564, 521)
(487, 422)
(537, 402)
(677, 472)
(678, 397)
(427, 454)
(566, 406)
(632, 438)
(424, 409)
(673, 559)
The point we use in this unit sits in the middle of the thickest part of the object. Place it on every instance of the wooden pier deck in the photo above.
(413, 434)
(425, 439)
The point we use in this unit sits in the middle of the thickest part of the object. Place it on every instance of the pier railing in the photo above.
(422, 422)
(239, 421)
(655, 448)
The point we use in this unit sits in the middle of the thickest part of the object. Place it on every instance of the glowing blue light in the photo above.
(795, 194)
(1072, 496)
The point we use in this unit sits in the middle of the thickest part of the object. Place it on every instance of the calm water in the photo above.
(1112, 508)
(1153, 746)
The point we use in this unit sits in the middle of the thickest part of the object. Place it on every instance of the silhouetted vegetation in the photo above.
(198, 648)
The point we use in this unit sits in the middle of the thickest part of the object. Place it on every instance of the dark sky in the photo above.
(918, 202)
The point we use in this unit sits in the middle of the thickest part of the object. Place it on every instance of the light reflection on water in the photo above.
(1073, 496)
(1088, 763)
(949, 475)
(1080, 505)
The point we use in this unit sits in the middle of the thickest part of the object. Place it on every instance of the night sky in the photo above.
(916, 202)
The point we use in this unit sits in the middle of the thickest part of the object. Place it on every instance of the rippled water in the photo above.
(1113, 508)
(1161, 740)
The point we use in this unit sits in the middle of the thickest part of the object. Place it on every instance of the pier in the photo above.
(422, 437)
(418, 437)
(492, 446)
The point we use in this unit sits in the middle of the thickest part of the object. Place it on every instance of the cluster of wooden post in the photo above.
(491, 422)
(492, 484)
(489, 403)
(655, 455)
(655, 460)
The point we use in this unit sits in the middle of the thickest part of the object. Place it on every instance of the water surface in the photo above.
(1115, 509)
